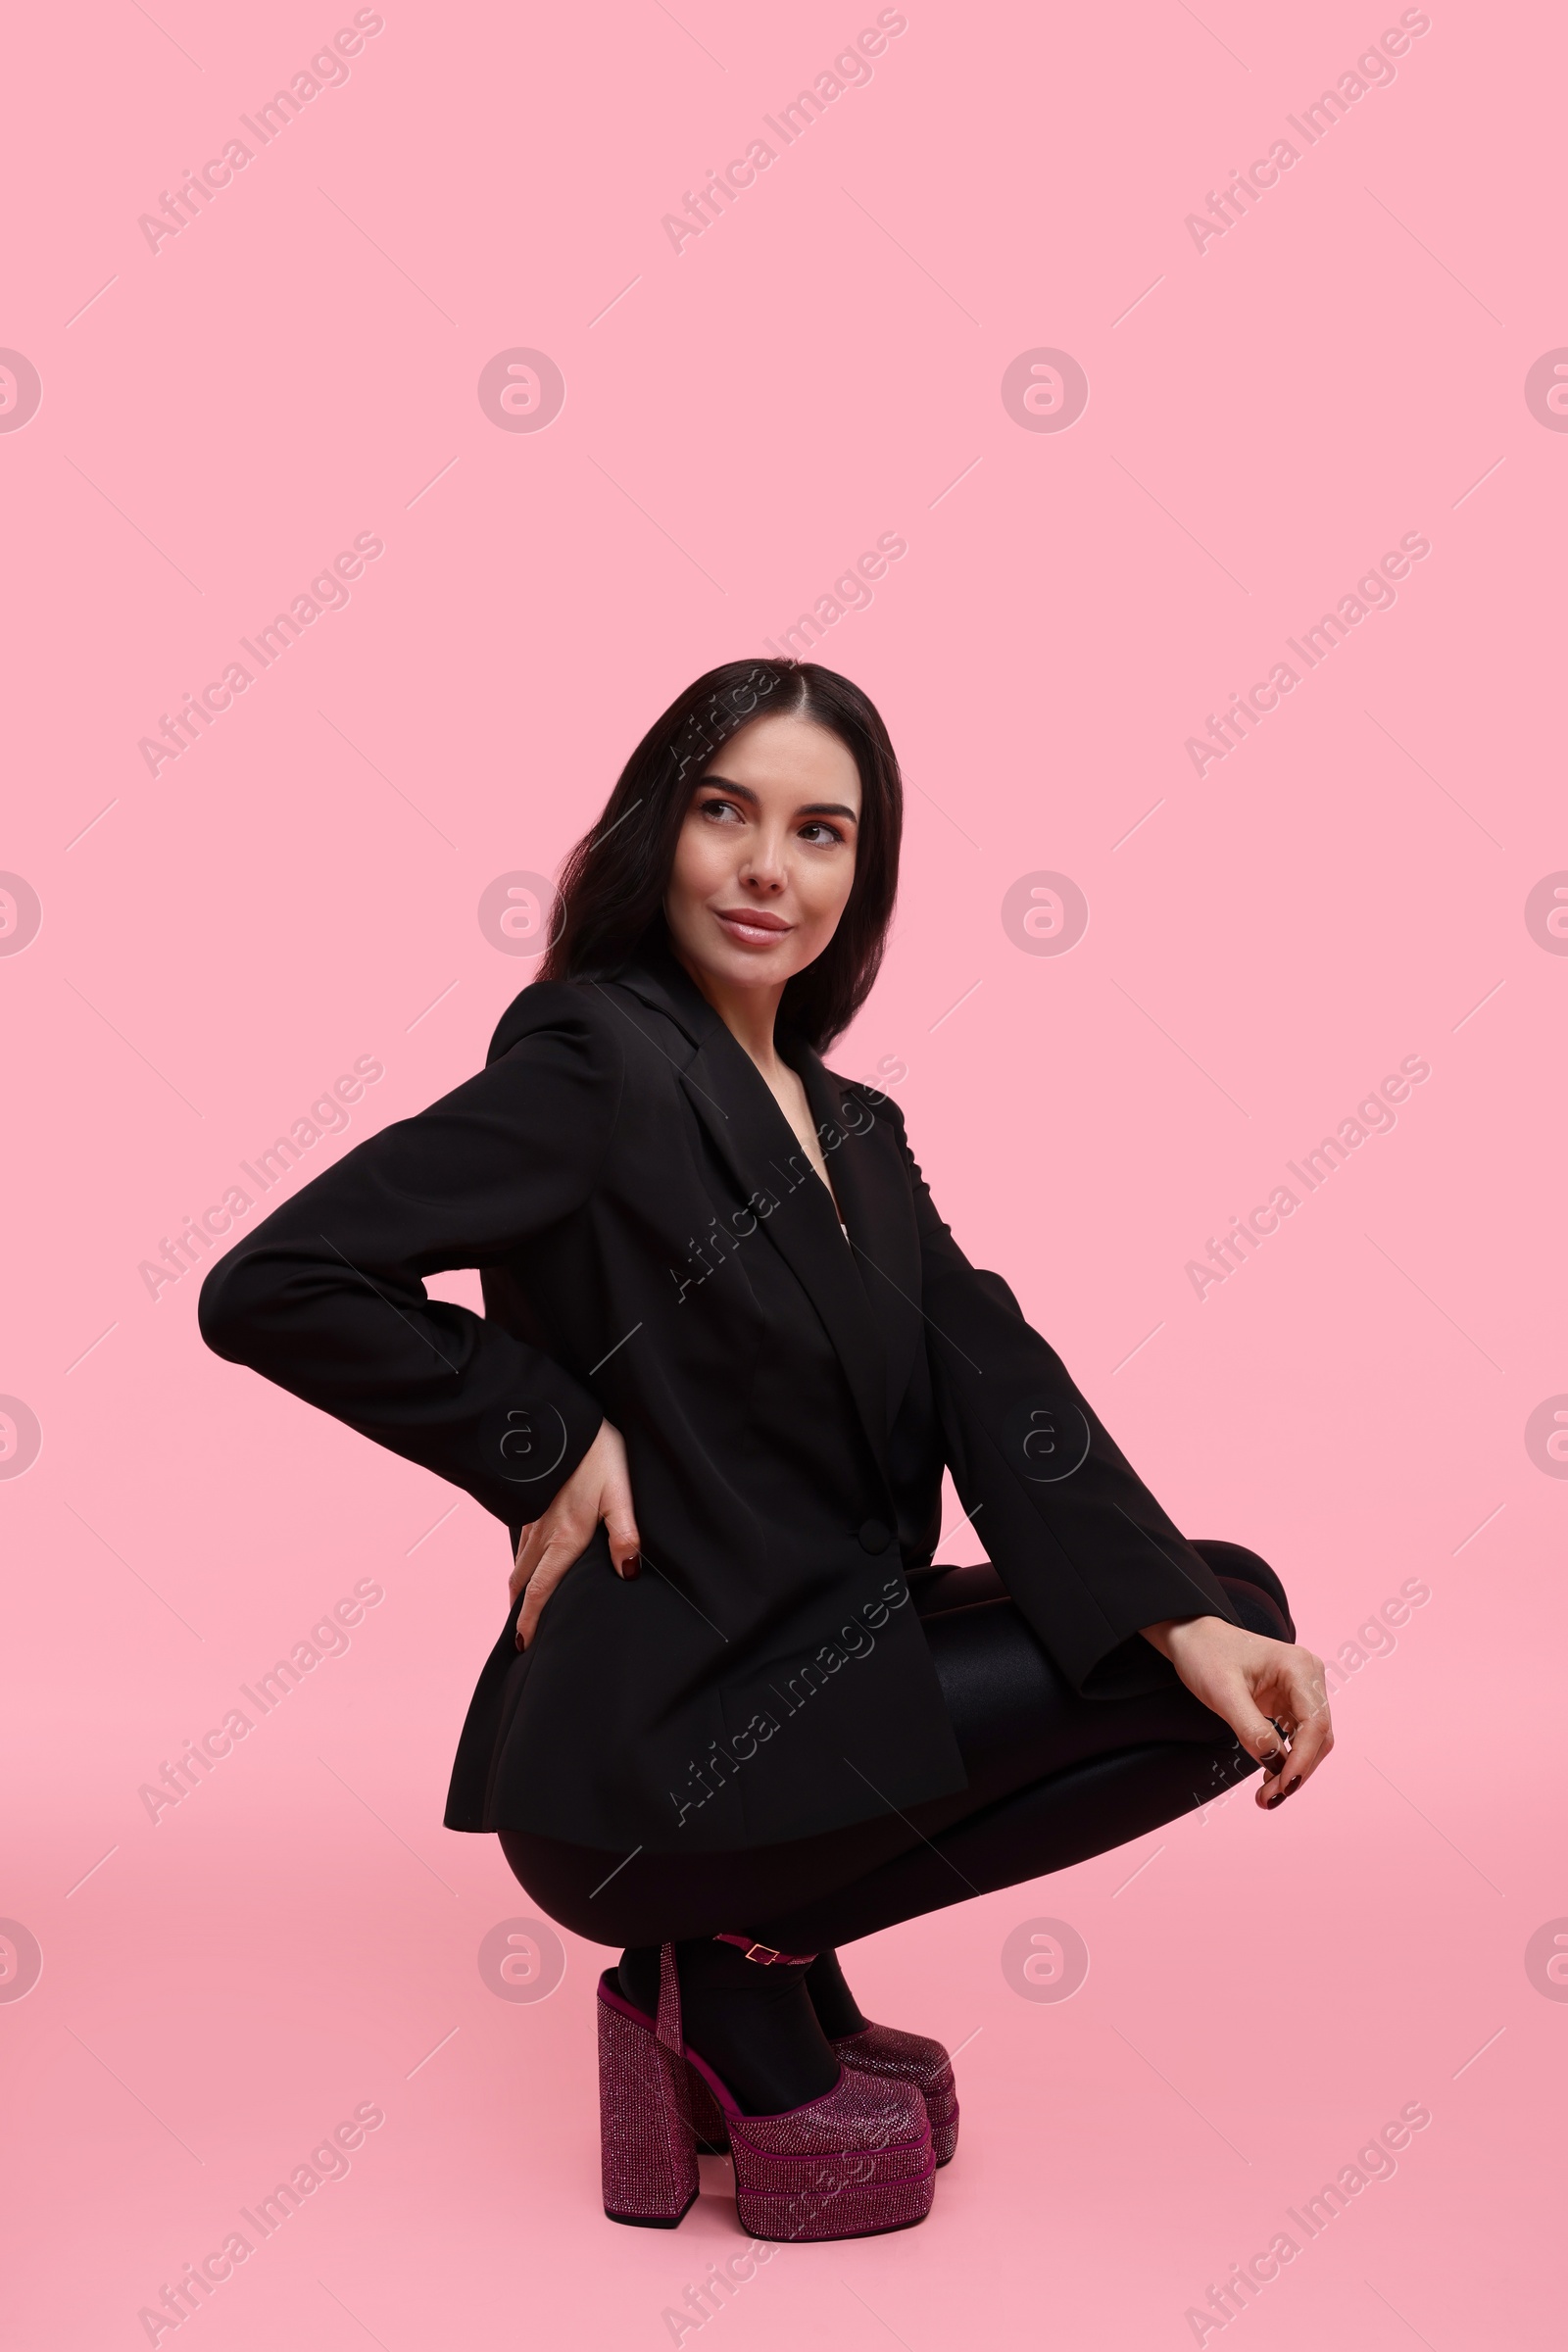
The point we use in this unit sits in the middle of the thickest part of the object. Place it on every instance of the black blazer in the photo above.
(654, 1245)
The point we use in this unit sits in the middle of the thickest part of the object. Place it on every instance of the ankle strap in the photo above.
(765, 1954)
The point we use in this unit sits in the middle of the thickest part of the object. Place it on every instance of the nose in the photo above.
(763, 871)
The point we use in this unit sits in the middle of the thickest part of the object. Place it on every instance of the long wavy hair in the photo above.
(610, 894)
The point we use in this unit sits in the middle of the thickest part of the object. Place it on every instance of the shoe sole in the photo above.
(713, 2138)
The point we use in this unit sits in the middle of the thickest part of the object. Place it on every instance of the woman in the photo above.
(740, 1718)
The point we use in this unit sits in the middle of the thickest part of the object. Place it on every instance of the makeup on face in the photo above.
(764, 861)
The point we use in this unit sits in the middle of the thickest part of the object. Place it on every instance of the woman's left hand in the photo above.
(1267, 1691)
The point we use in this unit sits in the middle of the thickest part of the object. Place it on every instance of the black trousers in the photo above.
(1053, 1779)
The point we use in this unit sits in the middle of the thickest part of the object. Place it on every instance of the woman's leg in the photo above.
(1081, 1810)
(1017, 1723)
(1053, 1779)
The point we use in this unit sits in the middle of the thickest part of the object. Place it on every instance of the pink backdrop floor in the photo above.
(194, 422)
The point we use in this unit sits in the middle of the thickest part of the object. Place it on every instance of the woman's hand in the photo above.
(598, 1488)
(1267, 1691)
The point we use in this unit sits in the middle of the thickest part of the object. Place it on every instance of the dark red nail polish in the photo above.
(1272, 1802)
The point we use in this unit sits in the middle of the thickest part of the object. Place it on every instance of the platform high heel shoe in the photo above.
(872, 2049)
(894, 2055)
(852, 2163)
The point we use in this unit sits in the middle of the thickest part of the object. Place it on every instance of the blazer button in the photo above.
(874, 1536)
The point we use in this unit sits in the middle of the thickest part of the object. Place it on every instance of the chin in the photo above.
(762, 968)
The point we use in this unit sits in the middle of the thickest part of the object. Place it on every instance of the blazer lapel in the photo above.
(874, 1192)
(763, 1156)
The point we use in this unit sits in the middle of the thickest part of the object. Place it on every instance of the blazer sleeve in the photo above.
(327, 1299)
(1081, 1543)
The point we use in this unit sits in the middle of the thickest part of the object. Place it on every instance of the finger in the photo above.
(625, 1545)
(523, 1565)
(1314, 1736)
(562, 1523)
(1257, 1732)
(1263, 1735)
(1276, 1759)
(559, 1557)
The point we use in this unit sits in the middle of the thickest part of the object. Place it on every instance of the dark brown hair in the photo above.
(610, 894)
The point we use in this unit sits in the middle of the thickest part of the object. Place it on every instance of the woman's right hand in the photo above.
(600, 1487)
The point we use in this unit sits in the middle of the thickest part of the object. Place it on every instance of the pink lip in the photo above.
(743, 922)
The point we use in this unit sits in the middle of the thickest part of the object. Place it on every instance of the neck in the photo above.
(748, 1013)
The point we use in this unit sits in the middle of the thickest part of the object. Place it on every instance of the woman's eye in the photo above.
(819, 828)
(719, 809)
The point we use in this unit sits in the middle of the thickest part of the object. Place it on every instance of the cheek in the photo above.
(704, 856)
(823, 889)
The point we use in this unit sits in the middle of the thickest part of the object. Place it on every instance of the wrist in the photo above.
(1171, 1634)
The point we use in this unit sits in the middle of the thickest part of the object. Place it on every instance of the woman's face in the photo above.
(766, 856)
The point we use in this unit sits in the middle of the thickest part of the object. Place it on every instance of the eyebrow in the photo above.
(744, 792)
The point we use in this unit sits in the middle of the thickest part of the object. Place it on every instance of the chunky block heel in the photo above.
(854, 2163)
(647, 2148)
(708, 2116)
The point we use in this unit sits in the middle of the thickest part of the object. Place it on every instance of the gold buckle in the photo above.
(764, 1954)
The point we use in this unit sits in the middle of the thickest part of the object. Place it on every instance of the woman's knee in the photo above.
(938, 1589)
(1243, 1575)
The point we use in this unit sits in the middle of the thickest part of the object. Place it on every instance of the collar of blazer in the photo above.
(739, 1113)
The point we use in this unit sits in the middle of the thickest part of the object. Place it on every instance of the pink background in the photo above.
(1346, 365)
